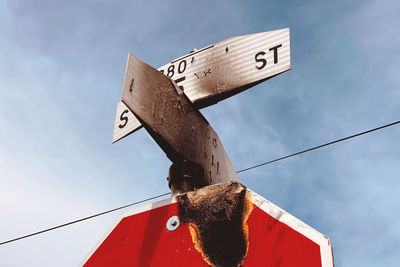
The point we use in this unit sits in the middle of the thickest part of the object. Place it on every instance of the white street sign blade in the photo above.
(125, 122)
(218, 71)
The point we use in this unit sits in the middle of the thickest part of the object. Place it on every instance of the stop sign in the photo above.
(155, 235)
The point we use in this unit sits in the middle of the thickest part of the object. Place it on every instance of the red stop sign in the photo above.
(153, 236)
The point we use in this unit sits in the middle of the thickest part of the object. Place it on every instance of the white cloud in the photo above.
(60, 79)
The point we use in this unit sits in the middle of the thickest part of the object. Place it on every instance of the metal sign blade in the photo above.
(219, 71)
(172, 121)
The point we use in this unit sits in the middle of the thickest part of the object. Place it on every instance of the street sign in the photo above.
(156, 235)
(170, 118)
(218, 71)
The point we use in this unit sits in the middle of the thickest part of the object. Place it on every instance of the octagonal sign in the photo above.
(155, 235)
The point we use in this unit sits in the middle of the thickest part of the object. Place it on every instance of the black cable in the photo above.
(316, 147)
(82, 219)
(165, 194)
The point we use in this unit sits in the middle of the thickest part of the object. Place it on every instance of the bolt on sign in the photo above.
(179, 232)
(218, 71)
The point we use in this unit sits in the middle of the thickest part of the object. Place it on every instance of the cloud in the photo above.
(61, 74)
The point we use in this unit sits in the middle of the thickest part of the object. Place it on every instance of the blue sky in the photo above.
(61, 71)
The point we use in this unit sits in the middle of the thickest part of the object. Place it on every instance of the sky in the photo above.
(62, 65)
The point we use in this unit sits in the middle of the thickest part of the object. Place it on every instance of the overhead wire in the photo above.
(320, 146)
(165, 194)
(83, 219)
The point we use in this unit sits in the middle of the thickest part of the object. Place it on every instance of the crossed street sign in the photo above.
(218, 71)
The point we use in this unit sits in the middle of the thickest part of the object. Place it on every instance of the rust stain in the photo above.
(247, 211)
(194, 232)
(217, 220)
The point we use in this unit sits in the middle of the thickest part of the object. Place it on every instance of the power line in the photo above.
(316, 147)
(82, 219)
(165, 194)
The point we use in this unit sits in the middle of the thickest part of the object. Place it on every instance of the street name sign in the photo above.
(174, 123)
(156, 235)
(218, 71)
